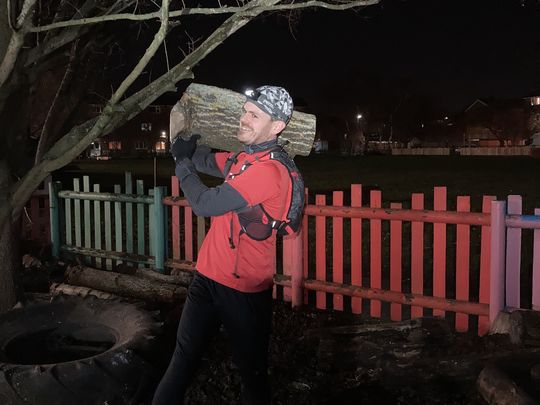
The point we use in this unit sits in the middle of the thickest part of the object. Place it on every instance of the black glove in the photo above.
(181, 148)
(184, 167)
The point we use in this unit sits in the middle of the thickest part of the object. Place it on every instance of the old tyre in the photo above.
(74, 351)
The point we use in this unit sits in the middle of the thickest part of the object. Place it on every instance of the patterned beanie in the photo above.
(273, 100)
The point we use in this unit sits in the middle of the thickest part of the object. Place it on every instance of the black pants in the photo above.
(247, 318)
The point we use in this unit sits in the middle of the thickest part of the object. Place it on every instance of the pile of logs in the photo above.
(136, 283)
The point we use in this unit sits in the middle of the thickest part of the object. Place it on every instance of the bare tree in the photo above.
(41, 41)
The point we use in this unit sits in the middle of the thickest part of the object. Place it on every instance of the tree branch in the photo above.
(45, 133)
(150, 52)
(204, 11)
(78, 138)
(17, 40)
(52, 43)
(27, 8)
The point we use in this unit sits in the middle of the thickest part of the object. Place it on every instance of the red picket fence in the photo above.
(379, 277)
(35, 218)
(397, 262)
(393, 262)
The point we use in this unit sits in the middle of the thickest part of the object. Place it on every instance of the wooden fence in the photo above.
(398, 262)
(89, 223)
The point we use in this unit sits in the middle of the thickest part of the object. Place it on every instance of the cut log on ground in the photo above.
(525, 327)
(180, 266)
(125, 285)
(501, 325)
(213, 113)
(182, 278)
(497, 388)
(67, 289)
(365, 345)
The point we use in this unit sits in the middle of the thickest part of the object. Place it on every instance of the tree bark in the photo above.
(179, 278)
(8, 247)
(8, 295)
(66, 289)
(125, 285)
(213, 113)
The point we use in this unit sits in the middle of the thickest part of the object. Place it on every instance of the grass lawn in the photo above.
(396, 176)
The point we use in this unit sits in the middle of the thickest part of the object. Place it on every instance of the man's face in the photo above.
(256, 126)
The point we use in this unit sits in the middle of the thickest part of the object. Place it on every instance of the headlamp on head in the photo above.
(273, 100)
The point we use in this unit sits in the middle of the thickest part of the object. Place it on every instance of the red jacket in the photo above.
(249, 266)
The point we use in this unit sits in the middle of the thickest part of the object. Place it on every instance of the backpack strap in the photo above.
(229, 162)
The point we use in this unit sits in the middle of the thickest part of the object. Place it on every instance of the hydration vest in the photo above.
(255, 221)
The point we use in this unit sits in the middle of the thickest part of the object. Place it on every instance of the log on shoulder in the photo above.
(213, 113)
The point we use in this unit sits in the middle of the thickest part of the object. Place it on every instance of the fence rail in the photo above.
(390, 261)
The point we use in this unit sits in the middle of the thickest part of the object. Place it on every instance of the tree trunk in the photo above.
(125, 285)
(213, 113)
(9, 242)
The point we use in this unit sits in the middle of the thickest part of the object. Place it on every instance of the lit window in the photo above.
(535, 100)
(115, 145)
(146, 126)
(160, 146)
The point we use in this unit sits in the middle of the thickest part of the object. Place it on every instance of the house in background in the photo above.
(495, 122)
(533, 116)
(147, 134)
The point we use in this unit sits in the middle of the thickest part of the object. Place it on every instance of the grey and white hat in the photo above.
(273, 100)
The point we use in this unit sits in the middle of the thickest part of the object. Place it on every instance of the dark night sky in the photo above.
(444, 52)
(450, 52)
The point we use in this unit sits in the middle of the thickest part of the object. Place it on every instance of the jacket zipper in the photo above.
(235, 272)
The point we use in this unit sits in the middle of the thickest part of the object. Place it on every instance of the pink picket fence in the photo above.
(395, 262)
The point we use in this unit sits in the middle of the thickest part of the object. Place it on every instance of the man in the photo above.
(235, 266)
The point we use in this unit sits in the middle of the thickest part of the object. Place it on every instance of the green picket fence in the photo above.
(108, 229)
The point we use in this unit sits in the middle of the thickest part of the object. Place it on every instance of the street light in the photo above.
(359, 116)
(248, 92)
